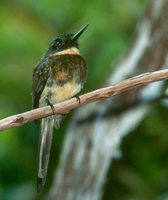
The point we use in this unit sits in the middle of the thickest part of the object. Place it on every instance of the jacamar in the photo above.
(59, 76)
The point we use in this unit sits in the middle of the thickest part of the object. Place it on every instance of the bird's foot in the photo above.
(51, 105)
(78, 99)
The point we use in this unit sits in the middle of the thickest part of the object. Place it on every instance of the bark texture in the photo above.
(96, 131)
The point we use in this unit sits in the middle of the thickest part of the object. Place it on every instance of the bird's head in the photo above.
(66, 43)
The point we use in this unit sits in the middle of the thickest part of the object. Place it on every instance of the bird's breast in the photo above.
(56, 93)
(66, 78)
(66, 67)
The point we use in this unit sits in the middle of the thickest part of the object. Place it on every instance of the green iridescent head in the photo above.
(66, 41)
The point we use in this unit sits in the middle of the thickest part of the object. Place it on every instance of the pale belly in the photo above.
(57, 93)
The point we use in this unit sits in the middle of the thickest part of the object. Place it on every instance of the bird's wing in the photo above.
(40, 77)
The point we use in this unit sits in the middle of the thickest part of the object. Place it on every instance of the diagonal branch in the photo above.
(96, 95)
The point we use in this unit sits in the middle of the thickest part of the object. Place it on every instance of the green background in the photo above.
(26, 29)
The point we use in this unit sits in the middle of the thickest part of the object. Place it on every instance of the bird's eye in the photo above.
(58, 43)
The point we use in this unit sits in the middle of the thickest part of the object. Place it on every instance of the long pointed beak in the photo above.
(79, 33)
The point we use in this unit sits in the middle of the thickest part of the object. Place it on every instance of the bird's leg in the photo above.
(78, 99)
(51, 105)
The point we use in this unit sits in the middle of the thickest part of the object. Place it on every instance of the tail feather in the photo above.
(45, 141)
(57, 121)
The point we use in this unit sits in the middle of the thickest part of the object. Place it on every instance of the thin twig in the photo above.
(97, 95)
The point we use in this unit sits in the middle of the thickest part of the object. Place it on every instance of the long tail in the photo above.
(45, 141)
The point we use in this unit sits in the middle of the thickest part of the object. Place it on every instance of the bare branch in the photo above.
(97, 95)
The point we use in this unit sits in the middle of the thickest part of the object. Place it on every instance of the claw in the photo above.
(78, 99)
(51, 105)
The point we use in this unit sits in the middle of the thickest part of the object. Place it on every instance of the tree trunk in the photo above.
(96, 131)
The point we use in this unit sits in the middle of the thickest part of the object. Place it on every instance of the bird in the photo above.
(59, 75)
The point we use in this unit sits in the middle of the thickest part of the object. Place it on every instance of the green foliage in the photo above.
(27, 27)
(141, 173)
